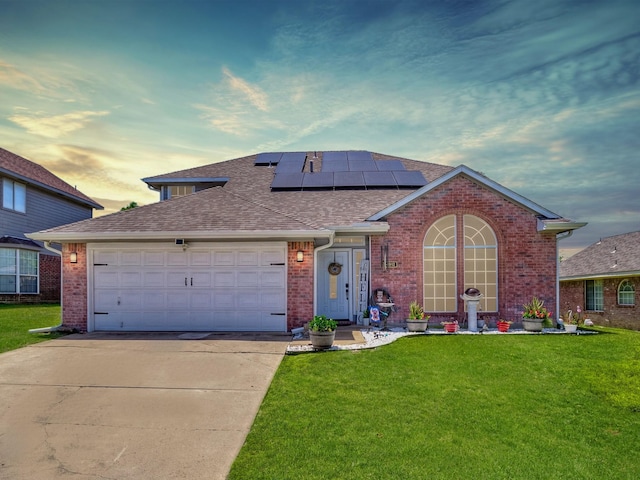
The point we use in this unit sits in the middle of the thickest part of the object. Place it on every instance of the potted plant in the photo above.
(322, 331)
(418, 320)
(503, 325)
(451, 326)
(535, 315)
(573, 320)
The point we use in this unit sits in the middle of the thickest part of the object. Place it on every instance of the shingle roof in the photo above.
(246, 203)
(30, 172)
(611, 256)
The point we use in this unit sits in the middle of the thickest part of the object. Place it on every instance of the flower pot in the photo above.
(503, 326)
(322, 340)
(532, 324)
(570, 328)
(450, 327)
(417, 325)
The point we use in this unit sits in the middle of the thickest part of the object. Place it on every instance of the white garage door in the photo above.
(207, 287)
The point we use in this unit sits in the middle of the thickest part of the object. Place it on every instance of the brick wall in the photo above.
(74, 288)
(626, 316)
(49, 278)
(299, 285)
(526, 258)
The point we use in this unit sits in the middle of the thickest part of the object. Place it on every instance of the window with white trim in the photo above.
(626, 293)
(439, 256)
(14, 195)
(18, 271)
(594, 295)
(481, 261)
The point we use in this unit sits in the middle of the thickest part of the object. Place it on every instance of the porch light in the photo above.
(300, 256)
(73, 257)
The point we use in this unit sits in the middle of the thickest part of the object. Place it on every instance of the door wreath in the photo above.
(334, 268)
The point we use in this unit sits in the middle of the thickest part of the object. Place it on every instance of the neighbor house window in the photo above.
(14, 195)
(439, 254)
(626, 293)
(18, 271)
(594, 298)
(481, 261)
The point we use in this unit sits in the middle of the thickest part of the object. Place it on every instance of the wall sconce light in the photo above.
(300, 256)
(73, 257)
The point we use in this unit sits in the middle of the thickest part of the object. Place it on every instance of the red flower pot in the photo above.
(503, 327)
(451, 327)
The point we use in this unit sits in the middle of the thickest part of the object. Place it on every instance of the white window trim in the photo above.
(11, 184)
(18, 274)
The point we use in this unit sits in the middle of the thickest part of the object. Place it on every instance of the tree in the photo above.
(130, 206)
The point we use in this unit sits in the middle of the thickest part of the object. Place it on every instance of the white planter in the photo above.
(322, 340)
(532, 324)
(417, 325)
(570, 328)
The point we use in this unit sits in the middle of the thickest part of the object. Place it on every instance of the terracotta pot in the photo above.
(451, 327)
(503, 326)
(416, 325)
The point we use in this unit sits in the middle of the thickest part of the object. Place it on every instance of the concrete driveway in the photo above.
(132, 406)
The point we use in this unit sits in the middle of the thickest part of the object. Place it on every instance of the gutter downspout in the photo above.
(48, 246)
(559, 237)
(315, 269)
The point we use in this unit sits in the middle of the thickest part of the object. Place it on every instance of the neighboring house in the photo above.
(603, 279)
(266, 241)
(33, 199)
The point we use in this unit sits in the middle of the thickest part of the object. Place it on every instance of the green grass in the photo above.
(16, 320)
(454, 407)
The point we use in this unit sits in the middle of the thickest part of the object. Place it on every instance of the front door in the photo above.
(334, 290)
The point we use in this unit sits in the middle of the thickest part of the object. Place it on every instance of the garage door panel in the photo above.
(231, 288)
(177, 259)
(130, 258)
(272, 278)
(271, 257)
(153, 259)
(248, 278)
(177, 300)
(177, 279)
(106, 279)
(130, 279)
(225, 258)
(248, 259)
(247, 299)
(154, 279)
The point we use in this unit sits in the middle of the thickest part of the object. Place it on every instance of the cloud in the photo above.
(15, 78)
(252, 93)
(57, 125)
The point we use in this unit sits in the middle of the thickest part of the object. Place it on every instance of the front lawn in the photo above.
(454, 407)
(16, 320)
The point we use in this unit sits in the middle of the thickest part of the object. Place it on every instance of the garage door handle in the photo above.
(101, 313)
(185, 281)
(278, 314)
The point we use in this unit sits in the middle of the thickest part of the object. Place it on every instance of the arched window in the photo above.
(479, 270)
(481, 261)
(439, 254)
(626, 293)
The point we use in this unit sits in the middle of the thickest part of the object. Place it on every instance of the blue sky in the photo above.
(542, 97)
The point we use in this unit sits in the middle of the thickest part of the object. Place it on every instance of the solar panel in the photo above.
(271, 158)
(318, 180)
(348, 179)
(335, 165)
(362, 166)
(287, 181)
(359, 155)
(379, 179)
(409, 178)
(334, 156)
(291, 162)
(386, 165)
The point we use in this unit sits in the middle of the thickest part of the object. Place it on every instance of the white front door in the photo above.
(334, 289)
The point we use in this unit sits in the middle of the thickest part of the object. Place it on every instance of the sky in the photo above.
(542, 97)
